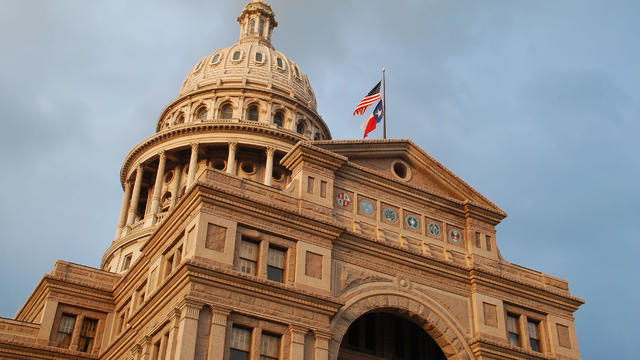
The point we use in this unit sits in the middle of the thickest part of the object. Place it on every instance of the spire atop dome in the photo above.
(257, 21)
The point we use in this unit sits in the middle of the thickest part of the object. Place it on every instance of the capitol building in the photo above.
(246, 232)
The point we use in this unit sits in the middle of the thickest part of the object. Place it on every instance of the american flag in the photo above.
(373, 96)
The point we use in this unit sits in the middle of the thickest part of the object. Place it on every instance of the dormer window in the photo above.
(295, 68)
(201, 114)
(215, 59)
(252, 113)
(278, 119)
(279, 63)
(180, 119)
(226, 112)
(259, 57)
(237, 55)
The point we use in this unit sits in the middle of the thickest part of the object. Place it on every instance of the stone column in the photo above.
(297, 342)
(218, 332)
(268, 169)
(176, 186)
(123, 209)
(187, 330)
(193, 164)
(157, 187)
(174, 318)
(321, 349)
(231, 159)
(135, 196)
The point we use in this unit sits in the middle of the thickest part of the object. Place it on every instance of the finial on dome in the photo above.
(257, 21)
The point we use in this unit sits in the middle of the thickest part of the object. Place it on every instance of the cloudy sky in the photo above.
(534, 103)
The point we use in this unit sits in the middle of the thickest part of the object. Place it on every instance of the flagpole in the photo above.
(384, 109)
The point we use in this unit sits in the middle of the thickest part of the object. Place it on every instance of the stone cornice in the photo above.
(203, 128)
(13, 349)
(537, 292)
(238, 282)
(484, 347)
(307, 152)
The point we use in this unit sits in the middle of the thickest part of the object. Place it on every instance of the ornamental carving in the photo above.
(349, 277)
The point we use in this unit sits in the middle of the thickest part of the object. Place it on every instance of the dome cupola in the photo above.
(240, 110)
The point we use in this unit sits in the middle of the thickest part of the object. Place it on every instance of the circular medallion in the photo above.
(390, 215)
(343, 199)
(434, 229)
(412, 222)
(367, 207)
(455, 235)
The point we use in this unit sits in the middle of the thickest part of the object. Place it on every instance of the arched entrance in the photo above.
(387, 334)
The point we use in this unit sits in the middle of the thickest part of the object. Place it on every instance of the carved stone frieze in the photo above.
(348, 277)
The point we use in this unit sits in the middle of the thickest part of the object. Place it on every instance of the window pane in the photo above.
(238, 355)
(533, 329)
(65, 329)
(248, 266)
(276, 258)
(236, 55)
(249, 250)
(277, 119)
(512, 324)
(269, 346)
(240, 338)
(227, 112)
(252, 113)
(274, 274)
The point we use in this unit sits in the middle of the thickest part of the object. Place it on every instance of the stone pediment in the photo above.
(403, 161)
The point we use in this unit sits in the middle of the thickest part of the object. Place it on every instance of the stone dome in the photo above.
(252, 62)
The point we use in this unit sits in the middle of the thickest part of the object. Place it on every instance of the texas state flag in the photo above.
(370, 124)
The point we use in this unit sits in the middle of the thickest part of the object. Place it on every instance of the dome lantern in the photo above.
(257, 22)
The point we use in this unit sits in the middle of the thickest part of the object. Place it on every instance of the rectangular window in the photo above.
(168, 266)
(323, 189)
(534, 336)
(87, 334)
(513, 329)
(240, 343)
(65, 330)
(269, 347)
(310, 182)
(275, 264)
(478, 240)
(126, 262)
(488, 239)
(248, 257)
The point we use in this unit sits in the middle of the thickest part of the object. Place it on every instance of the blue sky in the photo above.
(534, 103)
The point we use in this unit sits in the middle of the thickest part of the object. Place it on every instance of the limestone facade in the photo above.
(246, 232)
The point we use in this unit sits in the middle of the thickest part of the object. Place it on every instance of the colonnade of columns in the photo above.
(131, 197)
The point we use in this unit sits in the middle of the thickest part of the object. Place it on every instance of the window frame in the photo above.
(525, 316)
(282, 269)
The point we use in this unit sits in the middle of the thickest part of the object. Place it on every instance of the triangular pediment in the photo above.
(404, 161)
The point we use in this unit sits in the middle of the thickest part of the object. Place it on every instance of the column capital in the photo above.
(297, 333)
(270, 150)
(220, 315)
(162, 154)
(233, 144)
(190, 308)
(140, 166)
(194, 146)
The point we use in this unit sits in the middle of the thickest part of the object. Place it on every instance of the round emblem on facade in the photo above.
(412, 222)
(343, 199)
(390, 215)
(367, 207)
(434, 229)
(455, 235)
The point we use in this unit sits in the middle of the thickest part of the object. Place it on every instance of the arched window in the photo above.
(278, 119)
(279, 62)
(261, 26)
(300, 128)
(252, 113)
(226, 112)
(180, 119)
(201, 113)
(252, 26)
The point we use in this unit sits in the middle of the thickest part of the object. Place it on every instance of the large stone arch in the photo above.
(425, 312)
